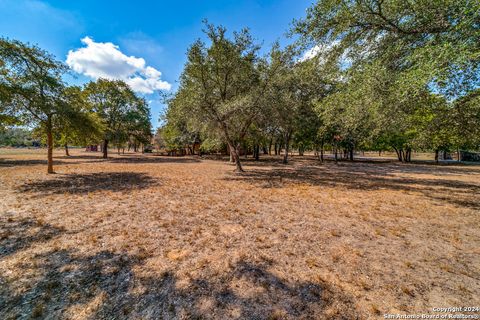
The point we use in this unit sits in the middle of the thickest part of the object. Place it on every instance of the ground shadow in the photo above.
(248, 290)
(130, 158)
(20, 163)
(81, 156)
(418, 166)
(19, 234)
(153, 159)
(368, 177)
(66, 283)
(104, 286)
(90, 182)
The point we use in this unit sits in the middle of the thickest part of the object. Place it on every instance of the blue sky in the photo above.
(155, 34)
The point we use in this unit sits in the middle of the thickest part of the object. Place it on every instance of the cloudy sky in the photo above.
(141, 42)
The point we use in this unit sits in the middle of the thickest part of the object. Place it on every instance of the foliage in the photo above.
(431, 42)
(32, 89)
(17, 137)
(123, 115)
(221, 85)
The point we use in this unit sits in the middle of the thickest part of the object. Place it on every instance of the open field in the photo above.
(148, 237)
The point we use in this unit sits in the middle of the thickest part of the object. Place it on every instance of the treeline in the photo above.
(33, 94)
(360, 75)
(18, 137)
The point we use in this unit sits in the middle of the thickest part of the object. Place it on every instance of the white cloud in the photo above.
(318, 49)
(322, 51)
(310, 53)
(105, 60)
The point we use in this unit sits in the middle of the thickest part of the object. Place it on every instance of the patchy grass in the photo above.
(141, 236)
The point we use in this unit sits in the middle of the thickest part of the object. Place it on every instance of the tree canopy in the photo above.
(357, 75)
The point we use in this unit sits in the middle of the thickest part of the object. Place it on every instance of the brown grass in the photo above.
(147, 237)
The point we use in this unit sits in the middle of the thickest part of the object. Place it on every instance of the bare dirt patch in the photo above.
(141, 236)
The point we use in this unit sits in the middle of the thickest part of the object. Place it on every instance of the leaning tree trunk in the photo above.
(105, 149)
(49, 146)
(234, 152)
(66, 150)
(399, 154)
(230, 152)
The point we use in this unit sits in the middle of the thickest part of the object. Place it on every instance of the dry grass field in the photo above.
(150, 237)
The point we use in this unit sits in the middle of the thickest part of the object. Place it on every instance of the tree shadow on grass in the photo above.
(66, 283)
(153, 159)
(20, 163)
(366, 177)
(420, 167)
(90, 182)
(104, 286)
(19, 234)
(130, 158)
(247, 290)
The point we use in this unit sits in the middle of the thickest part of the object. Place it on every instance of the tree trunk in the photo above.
(236, 156)
(436, 156)
(257, 152)
(321, 152)
(49, 146)
(66, 150)
(459, 155)
(287, 145)
(351, 153)
(105, 149)
(399, 154)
